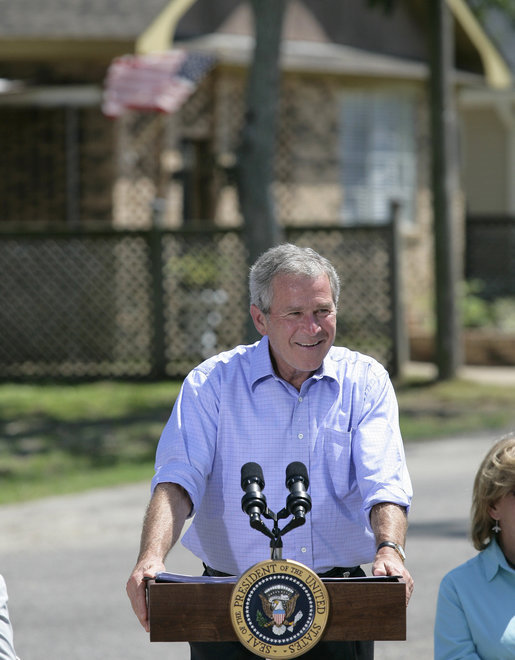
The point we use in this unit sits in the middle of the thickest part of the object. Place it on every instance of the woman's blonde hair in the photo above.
(494, 479)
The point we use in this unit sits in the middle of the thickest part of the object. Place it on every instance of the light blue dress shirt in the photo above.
(343, 425)
(475, 614)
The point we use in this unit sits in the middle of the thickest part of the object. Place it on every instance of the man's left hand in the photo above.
(388, 562)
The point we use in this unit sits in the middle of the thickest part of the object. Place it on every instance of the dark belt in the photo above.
(337, 571)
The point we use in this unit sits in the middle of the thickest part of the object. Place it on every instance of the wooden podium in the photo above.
(360, 609)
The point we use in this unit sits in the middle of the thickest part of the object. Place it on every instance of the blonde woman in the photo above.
(475, 614)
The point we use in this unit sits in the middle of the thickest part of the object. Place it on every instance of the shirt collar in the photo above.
(327, 369)
(494, 560)
(261, 365)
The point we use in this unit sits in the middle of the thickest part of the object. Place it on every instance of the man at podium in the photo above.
(292, 396)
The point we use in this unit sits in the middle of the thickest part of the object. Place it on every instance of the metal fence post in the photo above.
(158, 292)
(400, 341)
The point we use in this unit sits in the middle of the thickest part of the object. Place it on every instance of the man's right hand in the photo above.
(136, 588)
(164, 520)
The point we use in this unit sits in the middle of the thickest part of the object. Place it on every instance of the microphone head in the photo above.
(252, 472)
(296, 471)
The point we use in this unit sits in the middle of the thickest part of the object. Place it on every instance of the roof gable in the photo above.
(31, 29)
(69, 19)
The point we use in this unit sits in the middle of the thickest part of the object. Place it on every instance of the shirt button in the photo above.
(300, 436)
(300, 399)
(303, 549)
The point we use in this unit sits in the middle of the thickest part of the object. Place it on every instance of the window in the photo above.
(378, 155)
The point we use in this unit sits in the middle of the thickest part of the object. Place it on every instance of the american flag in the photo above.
(160, 82)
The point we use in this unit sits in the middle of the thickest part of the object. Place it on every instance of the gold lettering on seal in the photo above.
(251, 616)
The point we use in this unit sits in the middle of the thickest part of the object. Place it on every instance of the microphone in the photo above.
(298, 501)
(253, 502)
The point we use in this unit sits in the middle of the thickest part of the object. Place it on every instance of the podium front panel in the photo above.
(195, 612)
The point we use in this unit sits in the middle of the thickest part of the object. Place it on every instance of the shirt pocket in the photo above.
(337, 456)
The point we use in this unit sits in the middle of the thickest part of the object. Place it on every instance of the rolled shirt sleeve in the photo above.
(186, 449)
(378, 451)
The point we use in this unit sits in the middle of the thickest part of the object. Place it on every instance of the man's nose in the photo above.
(311, 323)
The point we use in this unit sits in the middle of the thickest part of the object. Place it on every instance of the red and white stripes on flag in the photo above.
(160, 82)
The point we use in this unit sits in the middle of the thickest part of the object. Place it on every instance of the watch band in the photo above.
(395, 546)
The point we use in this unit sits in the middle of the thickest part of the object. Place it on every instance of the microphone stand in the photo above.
(298, 503)
(275, 535)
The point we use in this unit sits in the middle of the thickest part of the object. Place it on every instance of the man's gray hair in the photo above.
(288, 259)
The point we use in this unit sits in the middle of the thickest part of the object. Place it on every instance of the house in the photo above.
(353, 131)
(488, 131)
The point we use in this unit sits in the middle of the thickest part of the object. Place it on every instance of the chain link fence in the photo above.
(490, 254)
(148, 304)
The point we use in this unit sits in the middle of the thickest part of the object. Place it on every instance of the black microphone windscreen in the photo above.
(297, 469)
(252, 472)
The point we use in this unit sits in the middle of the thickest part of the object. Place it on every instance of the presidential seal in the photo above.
(279, 609)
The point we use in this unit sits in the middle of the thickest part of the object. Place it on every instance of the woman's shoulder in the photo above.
(473, 574)
(464, 572)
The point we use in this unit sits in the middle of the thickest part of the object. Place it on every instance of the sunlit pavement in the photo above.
(66, 560)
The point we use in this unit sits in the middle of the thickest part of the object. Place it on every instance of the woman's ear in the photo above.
(260, 320)
(492, 511)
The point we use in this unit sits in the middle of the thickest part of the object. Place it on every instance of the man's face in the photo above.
(301, 325)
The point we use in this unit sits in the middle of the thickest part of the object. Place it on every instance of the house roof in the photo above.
(496, 67)
(369, 40)
(32, 29)
(306, 45)
(76, 19)
(502, 32)
(353, 39)
(102, 29)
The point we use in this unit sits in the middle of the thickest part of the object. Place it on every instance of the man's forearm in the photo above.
(164, 520)
(389, 522)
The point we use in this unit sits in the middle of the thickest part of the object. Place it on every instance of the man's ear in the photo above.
(259, 319)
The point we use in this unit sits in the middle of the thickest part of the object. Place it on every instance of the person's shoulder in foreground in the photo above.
(6, 631)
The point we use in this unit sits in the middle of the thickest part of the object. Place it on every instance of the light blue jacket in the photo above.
(475, 614)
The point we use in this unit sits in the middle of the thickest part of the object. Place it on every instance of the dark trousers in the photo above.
(322, 651)
(362, 650)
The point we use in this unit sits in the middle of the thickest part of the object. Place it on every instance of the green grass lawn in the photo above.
(66, 438)
(455, 408)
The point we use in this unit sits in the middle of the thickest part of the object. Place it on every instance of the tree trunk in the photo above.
(255, 166)
(445, 188)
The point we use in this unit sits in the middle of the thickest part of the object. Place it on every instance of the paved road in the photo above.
(66, 560)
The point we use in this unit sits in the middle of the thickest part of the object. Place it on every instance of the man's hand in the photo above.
(136, 589)
(389, 523)
(388, 562)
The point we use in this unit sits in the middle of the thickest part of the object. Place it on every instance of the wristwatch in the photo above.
(395, 546)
